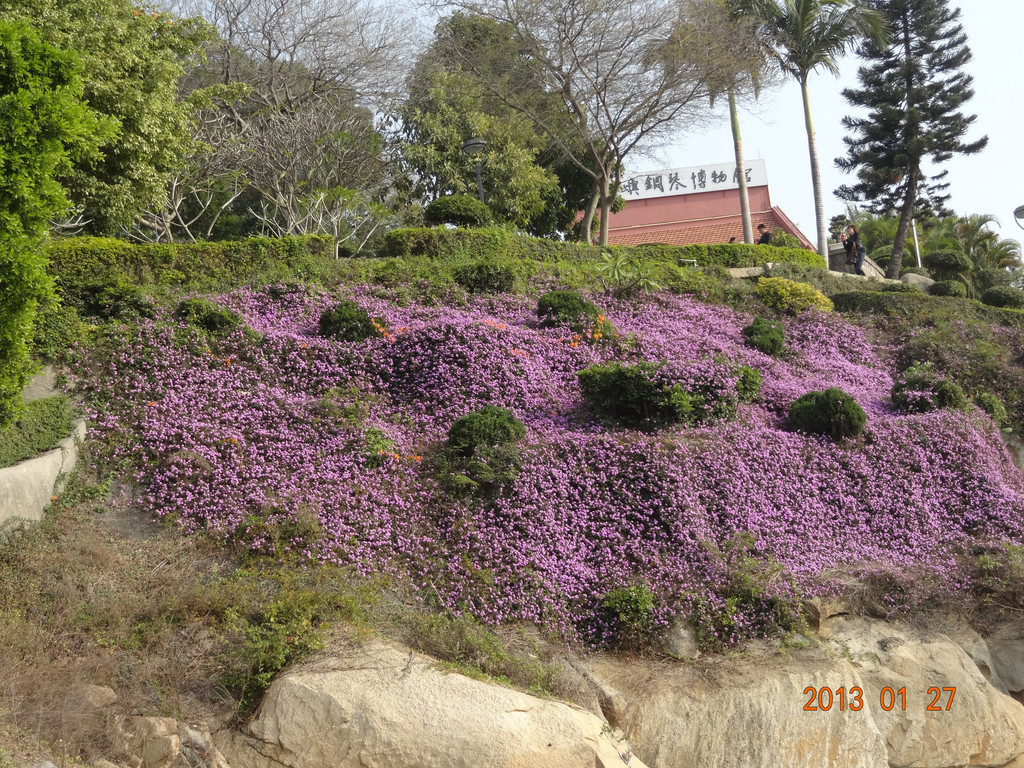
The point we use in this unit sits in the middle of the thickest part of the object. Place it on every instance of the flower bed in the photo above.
(293, 444)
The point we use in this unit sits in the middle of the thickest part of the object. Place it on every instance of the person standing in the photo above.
(855, 251)
(766, 236)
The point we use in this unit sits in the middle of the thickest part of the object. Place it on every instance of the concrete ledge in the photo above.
(27, 488)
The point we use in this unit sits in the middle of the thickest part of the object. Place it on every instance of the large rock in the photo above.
(750, 711)
(386, 708)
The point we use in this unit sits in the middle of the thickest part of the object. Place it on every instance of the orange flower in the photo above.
(151, 405)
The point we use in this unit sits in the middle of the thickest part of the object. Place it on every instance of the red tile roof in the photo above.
(717, 230)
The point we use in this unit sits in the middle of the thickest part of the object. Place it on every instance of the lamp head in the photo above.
(1018, 215)
(474, 146)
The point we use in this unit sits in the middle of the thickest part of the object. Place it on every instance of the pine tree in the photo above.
(914, 90)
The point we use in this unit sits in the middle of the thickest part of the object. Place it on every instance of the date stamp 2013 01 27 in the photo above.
(853, 699)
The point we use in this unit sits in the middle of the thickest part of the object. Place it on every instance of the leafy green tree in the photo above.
(914, 92)
(46, 128)
(807, 35)
(131, 62)
(522, 172)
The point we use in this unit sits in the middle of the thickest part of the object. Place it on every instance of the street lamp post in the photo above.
(476, 147)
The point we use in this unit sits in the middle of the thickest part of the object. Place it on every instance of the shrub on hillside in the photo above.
(628, 617)
(650, 394)
(915, 271)
(748, 387)
(946, 265)
(457, 210)
(485, 277)
(206, 315)
(833, 413)
(765, 336)
(347, 321)
(953, 288)
(921, 389)
(881, 256)
(481, 453)
(784, 295)
(993, 406)
(490, 426)
(991, 278)
(57, 328)
(38, 428)
(112, 299)
(573, 310)
(1004, 296)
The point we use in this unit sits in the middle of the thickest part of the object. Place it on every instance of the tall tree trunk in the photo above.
(737, 144)
(588, 215)
(606, 209)
(812, 147)
(892, 271)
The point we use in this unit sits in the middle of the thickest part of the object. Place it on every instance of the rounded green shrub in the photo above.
(489, 427)
(946, 265)
(347, 321)
(765, 336)
(784, 295)
(921, 389)
(953, 288)
(833, 413)
(900, 288)
(458, 210)
(485, 277)
(113, 299)
(1004, 296)
(630, 612)
(915, 271)
(573, 310)
(993, 406)
(881, 255)
(208, 316)
(991, 278)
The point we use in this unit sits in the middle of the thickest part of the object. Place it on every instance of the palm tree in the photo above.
(754, 66)
(806, 35)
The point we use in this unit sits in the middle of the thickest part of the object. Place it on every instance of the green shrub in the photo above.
(881, 256)
(991, 278)
(946, 265)
(630, 613)
(953, 288)
(212, 266)
(824, 280)
(647, 395)
(485, 277)
(481, 456)
(784, 295)
(57, 328)
(921, 389)
(900, 288)
(993, 406)
(833, 413)
(113, 299)
(206, 315)
(347, 321)
(458, 210)
(38, 428)
(768, 337)
(573, 310)
(1004, 296)
(490, 426)
(748, 388)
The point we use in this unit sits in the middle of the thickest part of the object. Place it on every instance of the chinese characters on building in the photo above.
(690, 180)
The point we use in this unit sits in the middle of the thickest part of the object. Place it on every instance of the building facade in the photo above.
(700, 204)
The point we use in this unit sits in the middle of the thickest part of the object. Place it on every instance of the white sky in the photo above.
(991, 182)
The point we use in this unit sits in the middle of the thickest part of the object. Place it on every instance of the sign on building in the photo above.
(688, 181)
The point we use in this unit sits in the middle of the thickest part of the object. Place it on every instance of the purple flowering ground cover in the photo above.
(288, 443)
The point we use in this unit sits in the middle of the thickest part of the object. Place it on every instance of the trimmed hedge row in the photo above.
(921, 307)
(78, 261)
(440, 243)
(41, 425)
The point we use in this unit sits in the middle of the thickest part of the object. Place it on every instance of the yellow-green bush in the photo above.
(784, 295)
